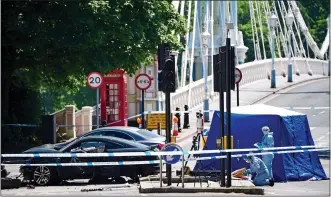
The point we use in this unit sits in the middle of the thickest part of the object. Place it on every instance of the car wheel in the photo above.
(43, 175)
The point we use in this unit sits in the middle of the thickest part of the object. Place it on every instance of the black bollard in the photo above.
(186, 118)
(178, 116)
(104, 123)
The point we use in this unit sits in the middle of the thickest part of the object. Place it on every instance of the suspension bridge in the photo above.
(214, 21)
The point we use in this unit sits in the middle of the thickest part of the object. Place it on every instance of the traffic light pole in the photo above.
(168, 132)
(221, 99)
(228, 110)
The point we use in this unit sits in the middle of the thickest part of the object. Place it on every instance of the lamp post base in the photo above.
(206, 110)
(273, 78)
(289, 73)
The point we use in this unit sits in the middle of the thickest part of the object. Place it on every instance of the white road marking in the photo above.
(314, 115)
(270, 193)
(143, 194)
(293, 190)
(312, 108)
(312, 128)
(319, 139)
(322, 112)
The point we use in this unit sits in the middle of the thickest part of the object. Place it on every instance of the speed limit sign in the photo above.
(94, 80)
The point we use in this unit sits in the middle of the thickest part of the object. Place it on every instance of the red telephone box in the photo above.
(114, 101)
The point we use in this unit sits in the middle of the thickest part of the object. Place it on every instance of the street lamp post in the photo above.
(273, 24)
(289, 21)
(205, 44)
(329, 24)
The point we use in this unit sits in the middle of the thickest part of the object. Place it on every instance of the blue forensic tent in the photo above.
(289, 129)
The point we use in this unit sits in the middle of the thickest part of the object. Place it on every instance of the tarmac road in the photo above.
(312, 99)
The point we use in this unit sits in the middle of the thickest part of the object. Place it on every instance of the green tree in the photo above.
(50, 46)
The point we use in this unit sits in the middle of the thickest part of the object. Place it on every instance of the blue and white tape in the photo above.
(150, 153)
(22, 125)
(158, 161)
(118, 163)
(263, 153)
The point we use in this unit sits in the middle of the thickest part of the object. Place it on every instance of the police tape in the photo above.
(120, 163)
(262, 153)
(22, 125)
(160, 153)
(116, 163)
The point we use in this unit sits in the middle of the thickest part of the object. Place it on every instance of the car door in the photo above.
(114, 170)
(74, 172)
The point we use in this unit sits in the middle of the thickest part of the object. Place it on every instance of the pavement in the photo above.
(309, 94)
(238, 186)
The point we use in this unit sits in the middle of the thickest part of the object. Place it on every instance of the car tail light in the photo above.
(160, 146)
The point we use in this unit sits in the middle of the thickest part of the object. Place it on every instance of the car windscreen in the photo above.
(148, 134)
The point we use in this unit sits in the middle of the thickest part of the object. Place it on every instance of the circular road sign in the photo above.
(143, 81)
(94, 80)
(238, 75)
(171, 159)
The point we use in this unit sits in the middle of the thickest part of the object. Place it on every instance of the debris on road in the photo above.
(92, 190)
(30, 186)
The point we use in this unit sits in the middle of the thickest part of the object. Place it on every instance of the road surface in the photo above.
(312, 99)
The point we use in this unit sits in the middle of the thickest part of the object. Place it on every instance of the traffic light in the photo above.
(163, 52)
(220, 66)
(169, 75)
(232, 68)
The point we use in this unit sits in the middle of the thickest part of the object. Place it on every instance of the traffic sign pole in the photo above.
(168, 132)
(94, 80)
(97, 108)
(237, 84)
(143, 82)
(143, 108)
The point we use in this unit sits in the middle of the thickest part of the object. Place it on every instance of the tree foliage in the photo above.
(50, 46)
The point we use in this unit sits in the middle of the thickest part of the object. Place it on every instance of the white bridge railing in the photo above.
(251, 71)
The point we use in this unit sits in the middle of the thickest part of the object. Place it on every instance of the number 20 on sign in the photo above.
(94, 80)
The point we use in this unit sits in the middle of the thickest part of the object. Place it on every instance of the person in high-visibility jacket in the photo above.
(139, 122)
(175, 126)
